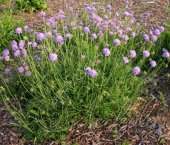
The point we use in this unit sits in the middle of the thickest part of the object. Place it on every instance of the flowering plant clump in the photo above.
(93, 66)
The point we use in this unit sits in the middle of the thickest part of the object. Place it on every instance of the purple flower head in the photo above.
(106, 51)
(125, 37)
(108, 7)
(136, 70)
(42, 14)
(92, 73)
(17, 53)
(164, 50)
(18, 30)
(146, 37)
(5, 52)
(161, 28)
(26, 28)
(14, 47)
(157, 32)
(125, 59)
(128, 29)
(6, 58)
(82, 57)
(14, 42)
(70, 9)
(80, 24)
(21, 69)
(75, 15)
(1, 58)
(34, 44)
(59, 39)
(29, 43)
(126, 14)
(146, 53)
(26, 67)
(105, 17)
(48, 34)
(132, 53)
(24, 52)
(147, 14)
(53, 57)
(93, 36)
(133, 34)
(40, 36)
(7, 70)
(111, 33)
(87, 69)
(120, 32)
(153, 38)
(86, 29)
(68, 35)
(65, 29)
(166, 54)
(27, 73)
(116, 42)
(21, 44)
(153, 63)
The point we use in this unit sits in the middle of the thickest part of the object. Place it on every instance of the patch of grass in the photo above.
(7, 27)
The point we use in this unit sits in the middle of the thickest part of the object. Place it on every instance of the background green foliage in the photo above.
(30, 5)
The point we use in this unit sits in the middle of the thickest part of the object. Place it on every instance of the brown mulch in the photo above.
(151, 123)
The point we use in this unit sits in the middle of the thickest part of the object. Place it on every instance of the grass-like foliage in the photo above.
(91, 67)
(7, 27)
(30, 5)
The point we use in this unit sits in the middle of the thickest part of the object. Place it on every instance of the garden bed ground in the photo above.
(150, 125)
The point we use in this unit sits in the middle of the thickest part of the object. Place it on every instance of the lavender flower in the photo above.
(40, 36)
(125, 59)
(153, 63)
(86, 29)
(53, 57)
(146, 37)
(68, 35)
(5, 52)
(82, 57)
(133, 34)
(153, 38)
(92, 73)
(24, 52)
(132, 53)
(125, 37)
(21, 44)
(6, 58)
(161, 28)
(21, 69)
(42, 14)
(17, 53)
(136, 70)
(26, 27)
(166, 54)
(70, 9)
(29, 43)
(27, 73)
(146, 53)
(1, 58)
(116, 42)
(93, 36)
(18, 30)
(157, 32)
(108, 7)
(59, 39)
(7, 70)
(106, 51)
(87, 69)
(34, 44)
(126, 14)
(14, 47)
(111, 33)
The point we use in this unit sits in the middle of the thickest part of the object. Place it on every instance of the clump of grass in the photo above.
(91, 67)
(7, 27)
